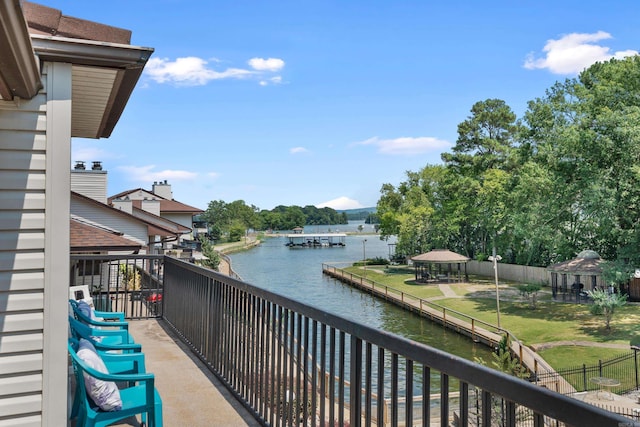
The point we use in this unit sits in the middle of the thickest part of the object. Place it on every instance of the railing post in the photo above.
(635, 362)
(355, 395)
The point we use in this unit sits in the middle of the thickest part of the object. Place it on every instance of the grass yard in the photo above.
(550, 322)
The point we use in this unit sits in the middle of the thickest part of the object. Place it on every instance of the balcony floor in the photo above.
(191, 395)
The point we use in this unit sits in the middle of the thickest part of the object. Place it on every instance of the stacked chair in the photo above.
(110, 373)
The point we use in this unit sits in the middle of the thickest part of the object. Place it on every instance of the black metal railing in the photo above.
(292, 364)
(128, 283)
(623, 368)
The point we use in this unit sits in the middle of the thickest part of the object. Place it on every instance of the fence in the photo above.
(292, 364)
(623, 368)
(128, 283)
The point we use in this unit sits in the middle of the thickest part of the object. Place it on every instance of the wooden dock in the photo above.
(477, 330)
(316, 240)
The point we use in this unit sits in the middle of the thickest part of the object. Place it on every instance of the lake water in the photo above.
(297, 274)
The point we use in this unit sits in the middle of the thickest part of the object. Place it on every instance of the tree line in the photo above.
(233, 219)
(540, 188)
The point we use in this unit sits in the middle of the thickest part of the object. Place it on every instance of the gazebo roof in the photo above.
(586, 262)
(442, 256)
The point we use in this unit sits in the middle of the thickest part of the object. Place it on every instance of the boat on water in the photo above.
(316, 240)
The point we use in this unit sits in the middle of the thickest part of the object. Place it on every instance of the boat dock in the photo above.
(316, 240)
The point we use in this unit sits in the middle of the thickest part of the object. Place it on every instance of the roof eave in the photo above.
(128, 60)
(19, 71)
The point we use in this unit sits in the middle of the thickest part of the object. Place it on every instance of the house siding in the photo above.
(34, 221)
(92, 184)
(131, 228)
(23, 145)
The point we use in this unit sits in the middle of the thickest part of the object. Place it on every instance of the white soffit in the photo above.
(91, 94)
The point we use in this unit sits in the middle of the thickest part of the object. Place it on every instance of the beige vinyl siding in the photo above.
(92, 184)
(130, 227)
(34, 253)
(22, 260)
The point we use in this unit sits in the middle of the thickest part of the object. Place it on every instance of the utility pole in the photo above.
(495, 258)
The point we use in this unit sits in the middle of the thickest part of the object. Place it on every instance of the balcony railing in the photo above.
(292, 364)
(128, 283)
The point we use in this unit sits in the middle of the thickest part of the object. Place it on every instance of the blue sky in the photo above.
(321, 102)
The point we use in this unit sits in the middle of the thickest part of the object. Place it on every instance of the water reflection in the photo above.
(297, 274)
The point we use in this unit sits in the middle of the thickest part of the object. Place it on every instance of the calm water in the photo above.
(297, 274)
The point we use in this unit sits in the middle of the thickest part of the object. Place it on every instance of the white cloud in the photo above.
(148, 174)
(90, 154)
(298, 150)
(407, 145)
(269, 64)
(213, 175)
(341, 203)
(194, 71)
(572, 53)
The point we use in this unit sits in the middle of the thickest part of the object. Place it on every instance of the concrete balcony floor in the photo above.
(191, 395)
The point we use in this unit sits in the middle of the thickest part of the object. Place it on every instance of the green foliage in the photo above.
(542, 188)
(130, 277)
(605, 304)
(530, 293)
(616, 272)
(236, 233)
(372, 261)
(504, 361)
(212, 260)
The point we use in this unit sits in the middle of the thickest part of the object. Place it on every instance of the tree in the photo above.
(605, 304)
(530, 292)
(485, 139)
(212, 257)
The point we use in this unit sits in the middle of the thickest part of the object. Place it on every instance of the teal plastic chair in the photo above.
(140, 399)
(111, 319)
(116, 363)
(117, 337)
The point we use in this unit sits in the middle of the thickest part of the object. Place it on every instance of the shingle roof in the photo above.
(159, 226)
(440, 256)
(166, 205)
(587, 262)
(85, 237)
(47, 20)
(171, 206)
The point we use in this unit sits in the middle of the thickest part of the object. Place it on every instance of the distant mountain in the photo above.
(357, 211)
(366, 214)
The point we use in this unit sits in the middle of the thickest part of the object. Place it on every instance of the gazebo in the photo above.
(585, 269)
(438, 265)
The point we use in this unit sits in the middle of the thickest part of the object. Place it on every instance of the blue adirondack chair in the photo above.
(141, 398)
(105, 336)
(83, 312)
(116, 363)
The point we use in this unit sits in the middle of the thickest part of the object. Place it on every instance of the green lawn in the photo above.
(552, 321)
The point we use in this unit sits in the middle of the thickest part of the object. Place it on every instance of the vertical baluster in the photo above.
(381, 403)
(394, 390)
(486, 408)
(341, 377)
(332, 375)
(409, 394)
(464, 403)
(444, 399)
(323, 369)
(355, 393)
(368, 391)
(426, 395)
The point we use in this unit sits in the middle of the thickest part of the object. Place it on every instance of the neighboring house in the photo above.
(151, 232)
(60, 77)
(159, 201)
(138, 221)
(89, 238)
